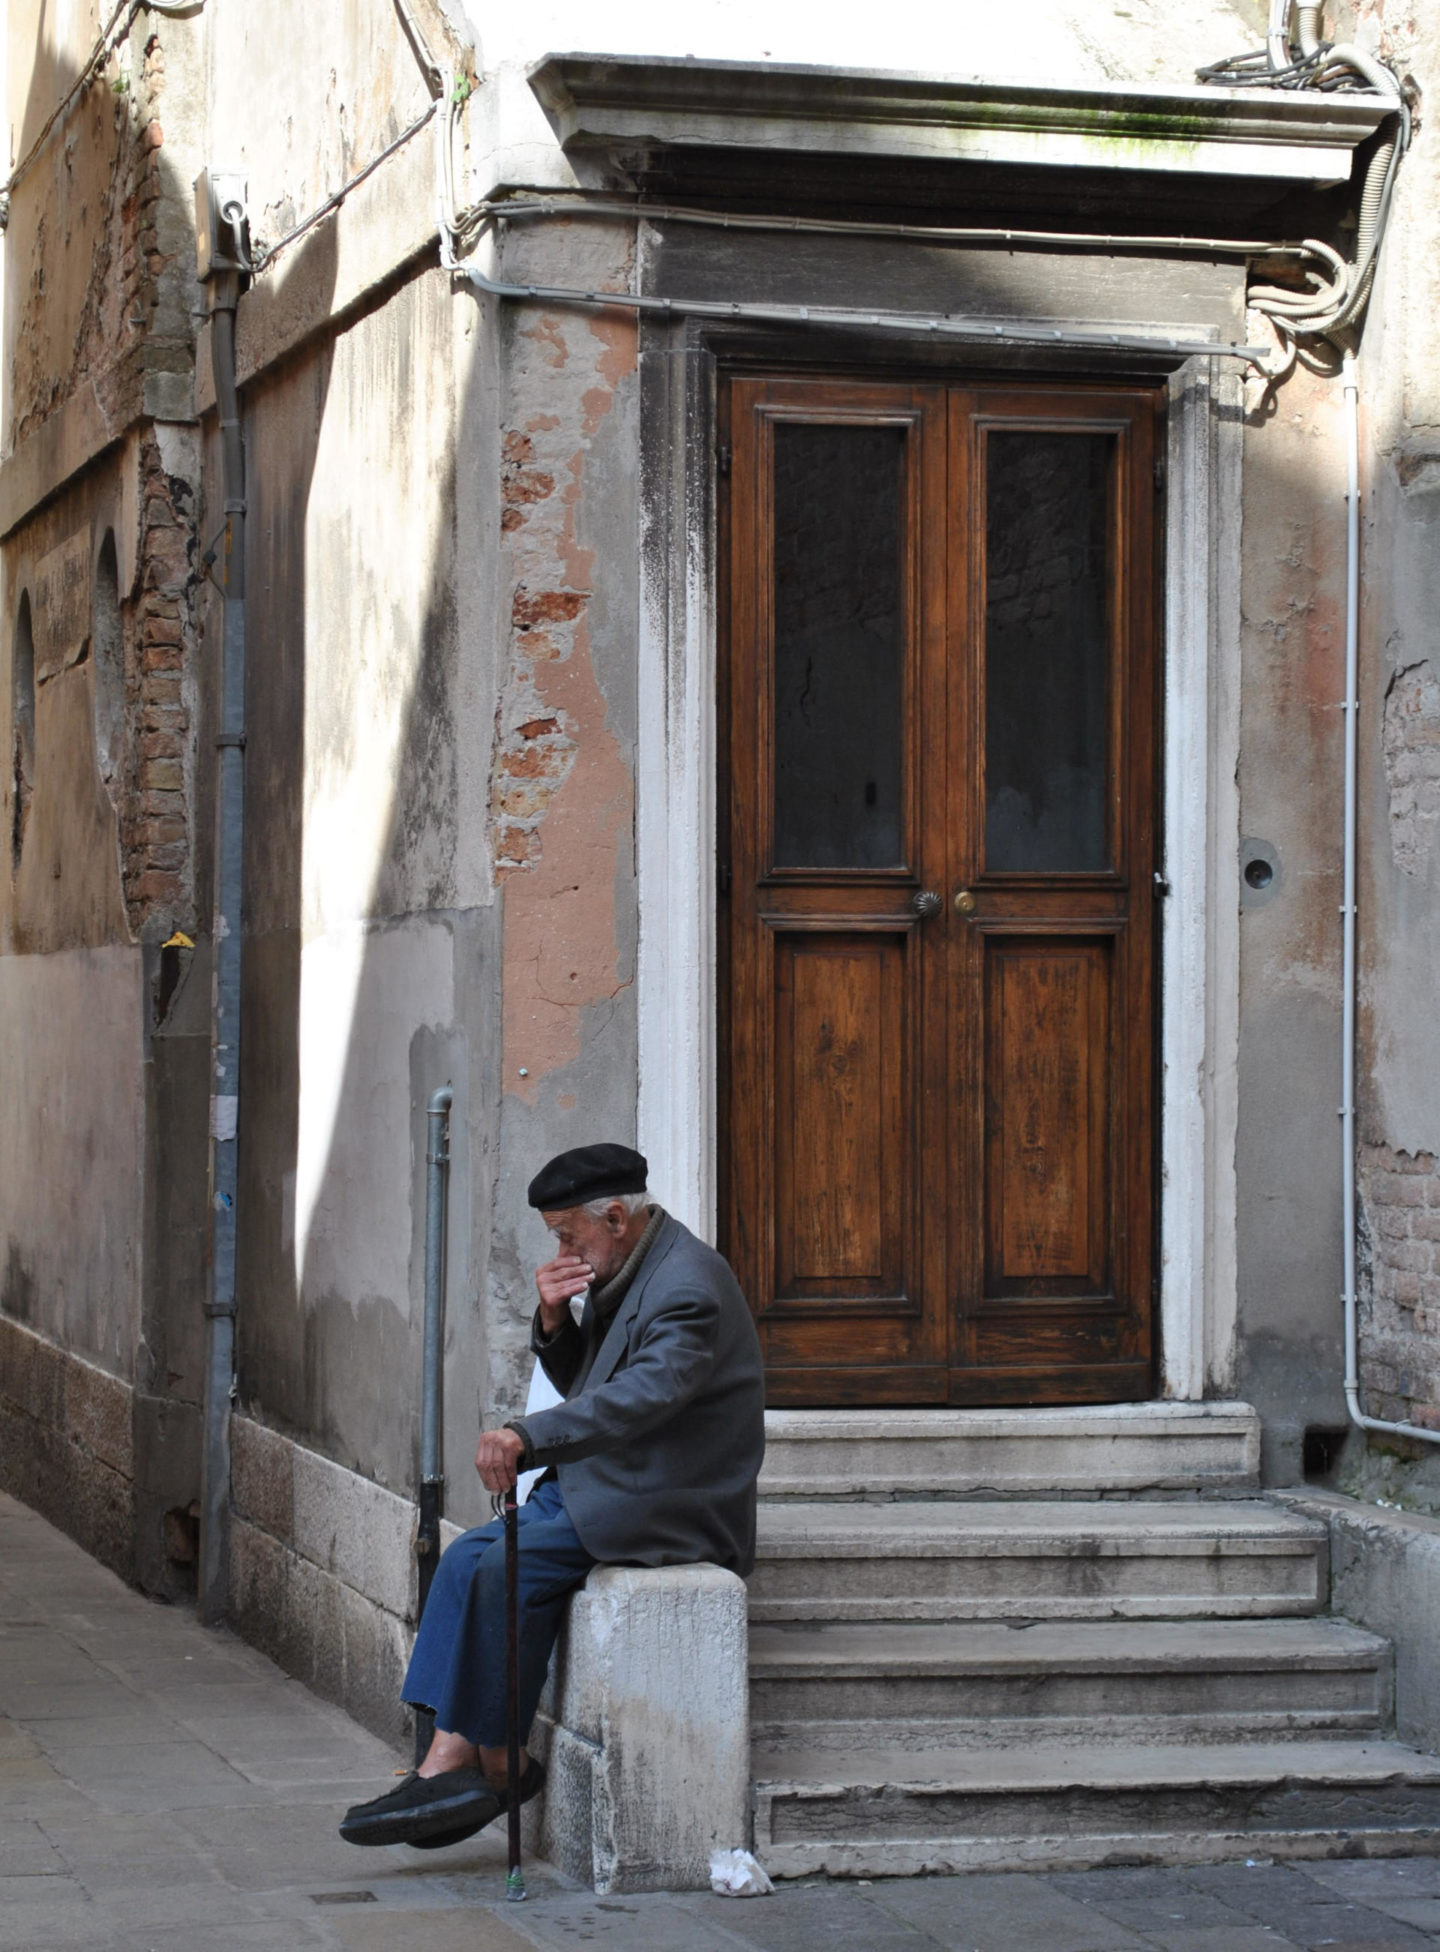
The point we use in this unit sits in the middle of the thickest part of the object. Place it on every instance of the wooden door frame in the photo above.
(676, 805)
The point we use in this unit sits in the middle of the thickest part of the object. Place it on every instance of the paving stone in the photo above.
(45, 1911)
(144, 1775)
(659, 1924)
(272, 1845)
(166, 1907)
(1422, 1913)
(117, 1851)
(1286, 1898)
(25, 1851)
(262, 1935)
(15, 1742)
(1179, 1908)
(135, 1726)
(364, 1930)
(1369, 1879)
(999, 1914)
(800, 1918)
(1122, 1885)
(1222, 1938)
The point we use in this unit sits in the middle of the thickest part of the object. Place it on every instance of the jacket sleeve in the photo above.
(560, 1355)
(669, 1359)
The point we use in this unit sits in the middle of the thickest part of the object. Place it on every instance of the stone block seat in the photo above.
(645, 1729)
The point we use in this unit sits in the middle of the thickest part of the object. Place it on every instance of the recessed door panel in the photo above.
(840, 1095)
(1047, 1065)
(939, 675)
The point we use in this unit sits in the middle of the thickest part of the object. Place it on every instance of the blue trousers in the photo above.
(458, 1666)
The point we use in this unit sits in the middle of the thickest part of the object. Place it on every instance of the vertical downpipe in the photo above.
(432, 1479)
(225, 1033)
(1351, 383)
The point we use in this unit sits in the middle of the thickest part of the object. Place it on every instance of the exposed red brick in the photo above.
(537, 762)
(527, 485)
(546, 607)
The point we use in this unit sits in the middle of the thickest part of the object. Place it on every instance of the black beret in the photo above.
(587, 1172)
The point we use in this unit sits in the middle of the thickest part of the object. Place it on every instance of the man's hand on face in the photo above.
(497, 1458)
(558, 1282)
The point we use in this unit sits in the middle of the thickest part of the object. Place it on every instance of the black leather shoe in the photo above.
(531, 1783)
(421, 1807)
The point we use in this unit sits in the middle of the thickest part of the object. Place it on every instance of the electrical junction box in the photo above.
(217, 248)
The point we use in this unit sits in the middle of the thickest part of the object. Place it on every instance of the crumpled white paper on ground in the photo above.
(735, 1874)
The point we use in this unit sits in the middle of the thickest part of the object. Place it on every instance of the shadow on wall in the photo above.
(356, 945)
(104, 776)
(373, 945)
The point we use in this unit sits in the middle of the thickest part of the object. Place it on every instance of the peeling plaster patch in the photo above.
(60, 605)
(1411, 744)
(562, 794)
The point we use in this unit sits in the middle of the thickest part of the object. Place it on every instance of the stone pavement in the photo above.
(162, 1786)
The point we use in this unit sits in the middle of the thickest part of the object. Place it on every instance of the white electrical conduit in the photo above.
(924, 324)
(577, 204)
(466, 224)
(1351, 382)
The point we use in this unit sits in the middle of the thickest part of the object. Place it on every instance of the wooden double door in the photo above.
(937, 843)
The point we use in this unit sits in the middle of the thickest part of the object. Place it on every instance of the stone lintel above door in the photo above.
(615, 105)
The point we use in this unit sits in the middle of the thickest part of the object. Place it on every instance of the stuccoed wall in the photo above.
(1399, 1099)
(1287, 1147)
(99, 1301)
(371, 965)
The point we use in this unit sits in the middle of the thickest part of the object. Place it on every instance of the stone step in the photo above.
(1035, 1560)
(892, 1813)
(914, 1686)
(1124, 1448)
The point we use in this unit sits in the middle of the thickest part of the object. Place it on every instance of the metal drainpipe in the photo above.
(432, 1478)
(1351, 380)
(225, 1026)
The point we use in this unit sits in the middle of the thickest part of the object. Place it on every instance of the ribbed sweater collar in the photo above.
(604, 1301)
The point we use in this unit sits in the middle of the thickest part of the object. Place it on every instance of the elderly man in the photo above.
(653, 1459)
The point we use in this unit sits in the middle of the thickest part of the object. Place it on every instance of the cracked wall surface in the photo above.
(1399, 864)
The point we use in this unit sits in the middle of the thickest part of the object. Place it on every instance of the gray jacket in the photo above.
(660, 1444)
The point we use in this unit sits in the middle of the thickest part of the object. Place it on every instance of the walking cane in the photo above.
(515, 1877)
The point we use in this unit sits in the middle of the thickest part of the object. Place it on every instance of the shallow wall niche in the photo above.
(22, 719)
(107, 648)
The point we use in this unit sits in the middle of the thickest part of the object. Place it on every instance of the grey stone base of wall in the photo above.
(115, 1468)
(322, 1574)
(1385, 1575)
(1378, 1469)
(67, 1445)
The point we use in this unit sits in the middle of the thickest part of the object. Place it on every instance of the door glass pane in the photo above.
(838, 646)
(1046, 651)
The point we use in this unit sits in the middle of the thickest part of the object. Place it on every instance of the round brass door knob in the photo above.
(965, 902)
(926, 902)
